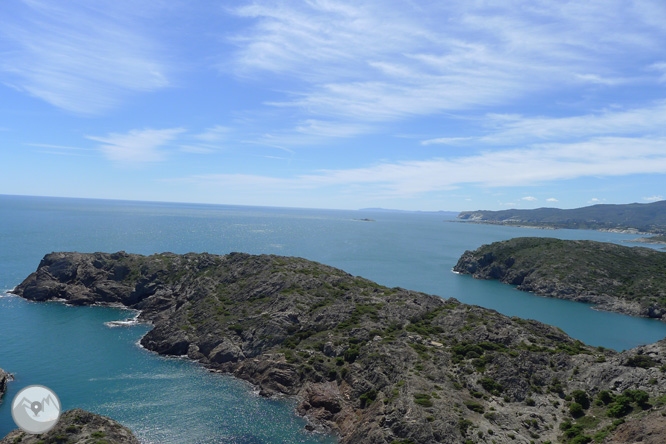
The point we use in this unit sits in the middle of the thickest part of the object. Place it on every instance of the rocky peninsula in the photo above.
(629, 280)
(77, 427)
(373, 364)
(659, 240)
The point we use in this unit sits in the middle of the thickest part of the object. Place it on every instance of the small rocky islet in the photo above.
(370, 363)
(628, 280)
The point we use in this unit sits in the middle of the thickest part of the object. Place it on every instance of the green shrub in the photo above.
(581, 398)
(606, 397)
(491, 386)
(638, 396)
(618, 410)
(368, 398)
(474, 406)
(422, 399)
(463, 425)
(576, 410)
(351, 354)
(641, 361)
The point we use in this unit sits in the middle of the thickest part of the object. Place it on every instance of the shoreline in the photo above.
(568, 270)
(313, 425)
(550, 227)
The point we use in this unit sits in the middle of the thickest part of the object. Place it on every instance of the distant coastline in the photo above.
(546, 226)
(643, 219)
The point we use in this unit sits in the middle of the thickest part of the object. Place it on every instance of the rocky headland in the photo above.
(77, 427)
(373, 364)
(629, 280)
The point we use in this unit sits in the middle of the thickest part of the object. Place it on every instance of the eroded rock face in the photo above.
(77, 426)
(370, 363)
(650, 429)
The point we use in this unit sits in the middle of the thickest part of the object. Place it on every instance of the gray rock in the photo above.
(4, 378)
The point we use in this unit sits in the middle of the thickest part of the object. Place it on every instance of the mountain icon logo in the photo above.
(36, 409)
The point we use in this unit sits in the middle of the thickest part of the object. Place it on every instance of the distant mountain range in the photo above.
(635, 217)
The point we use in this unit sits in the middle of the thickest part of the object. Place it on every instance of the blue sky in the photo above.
(417, 105)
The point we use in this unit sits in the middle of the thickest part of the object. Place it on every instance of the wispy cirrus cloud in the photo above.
(372, 62)
(79, 56)
(137, 146)
(517, 129)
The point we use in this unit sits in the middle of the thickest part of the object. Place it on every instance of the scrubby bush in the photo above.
(576, 410)
(581, 398)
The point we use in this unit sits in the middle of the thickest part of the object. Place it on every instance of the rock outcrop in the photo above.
(629, 280)
(373, 364)
(4, 378)
(77, 426)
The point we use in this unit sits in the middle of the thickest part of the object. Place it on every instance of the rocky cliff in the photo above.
(630, 280)
(74, 427)
(370, 363)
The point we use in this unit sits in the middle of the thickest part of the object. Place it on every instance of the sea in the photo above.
(93, 364)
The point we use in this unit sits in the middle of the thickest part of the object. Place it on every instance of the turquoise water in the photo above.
(165, 400)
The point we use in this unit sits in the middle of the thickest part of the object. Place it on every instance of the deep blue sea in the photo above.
(165, 400)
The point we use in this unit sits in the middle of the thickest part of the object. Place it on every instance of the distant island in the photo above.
(630, 280)
(77, 427)
(373, 364)
(631, 218)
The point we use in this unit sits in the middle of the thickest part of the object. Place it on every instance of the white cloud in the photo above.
(661, 68)
(516, 129)
(529, 198)
(374, 61)
(595, 200)
(552, 199)
(653, 198)
(447, 141)
(323, 128)
(605, 157)
(137, 146)
(78, 57)
(214, 134)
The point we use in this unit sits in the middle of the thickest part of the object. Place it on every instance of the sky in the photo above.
(404, 104)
